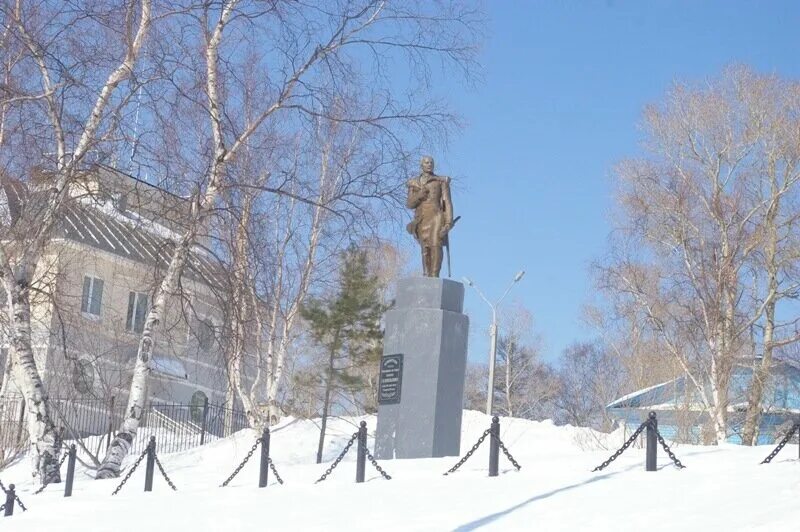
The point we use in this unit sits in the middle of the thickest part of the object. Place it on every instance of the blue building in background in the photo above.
(681, 416)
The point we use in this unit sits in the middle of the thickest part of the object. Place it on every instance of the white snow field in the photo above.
(722, 488)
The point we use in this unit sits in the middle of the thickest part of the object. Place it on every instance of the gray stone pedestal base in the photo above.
(421, 388)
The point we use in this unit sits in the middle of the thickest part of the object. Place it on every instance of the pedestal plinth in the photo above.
(421, 389)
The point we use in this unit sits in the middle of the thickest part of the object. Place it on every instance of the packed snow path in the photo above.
(723, 488)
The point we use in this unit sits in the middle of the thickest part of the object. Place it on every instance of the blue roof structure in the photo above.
(682, 416)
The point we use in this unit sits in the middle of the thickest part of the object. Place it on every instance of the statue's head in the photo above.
(426, 164)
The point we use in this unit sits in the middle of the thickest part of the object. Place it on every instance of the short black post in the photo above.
(205, 421)
(70, 471)
(361, 461)
(652, 423)
(151, 464)
(494, 447)
(10, 496)
(264, 471)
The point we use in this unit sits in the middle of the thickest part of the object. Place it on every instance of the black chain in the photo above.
(667, 450)
(16, 497)
(470, 452)
(623, 448)
(63, 458)
(338, 459)
(782, 444)
(20, 502)
(131, 470)
(164, 473)
(508, 454)
(241, 465)
(374, 463)
(274, 471)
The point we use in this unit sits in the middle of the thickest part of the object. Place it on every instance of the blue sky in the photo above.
(565, 83)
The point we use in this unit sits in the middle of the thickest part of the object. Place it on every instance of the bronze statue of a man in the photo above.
(429, 196)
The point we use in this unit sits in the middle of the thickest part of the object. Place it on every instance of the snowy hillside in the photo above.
(722, 488)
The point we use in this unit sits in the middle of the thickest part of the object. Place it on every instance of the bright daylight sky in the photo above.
(565, 83)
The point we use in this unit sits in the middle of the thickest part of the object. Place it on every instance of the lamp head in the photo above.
(519, 275)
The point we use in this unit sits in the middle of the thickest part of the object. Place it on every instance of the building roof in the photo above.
(98, 223)
(680, 393)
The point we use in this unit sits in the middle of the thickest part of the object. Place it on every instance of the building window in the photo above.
(92, 295)
(137, 312)
(83, 376)
(206, 334)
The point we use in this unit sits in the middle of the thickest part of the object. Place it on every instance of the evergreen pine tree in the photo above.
(347, 326)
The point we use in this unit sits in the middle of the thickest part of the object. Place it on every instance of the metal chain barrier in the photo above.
(63, 459)
(16, 497)
(241, 465)
(164, 473)
(782, 444)
(131, 470)
(667, 450)
(274, 471)
(470, 452)
(508, 454)
(623, 448)
(374, 463)
(338, 458)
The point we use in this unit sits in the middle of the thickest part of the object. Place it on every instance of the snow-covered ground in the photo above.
(723, 488)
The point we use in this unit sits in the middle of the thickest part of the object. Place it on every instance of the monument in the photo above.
(421, 385)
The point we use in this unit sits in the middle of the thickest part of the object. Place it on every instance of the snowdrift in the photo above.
(723, 488)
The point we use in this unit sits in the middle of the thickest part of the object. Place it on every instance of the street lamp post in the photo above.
(493, 335)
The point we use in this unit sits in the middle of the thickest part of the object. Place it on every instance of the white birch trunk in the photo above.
(121, 445)
(509, 408)
(45, 439)
(137, 397)
(18, 273)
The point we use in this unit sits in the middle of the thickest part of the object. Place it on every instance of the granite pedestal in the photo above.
(421, 388)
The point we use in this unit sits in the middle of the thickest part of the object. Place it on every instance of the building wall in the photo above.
(93, 357)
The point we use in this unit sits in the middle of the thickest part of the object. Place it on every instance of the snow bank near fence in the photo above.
(723, 488)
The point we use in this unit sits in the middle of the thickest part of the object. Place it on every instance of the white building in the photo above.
(92, 291)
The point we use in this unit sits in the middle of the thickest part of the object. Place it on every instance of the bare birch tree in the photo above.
(60, 116)
(691, 227)
(525, 387)
(774, 108)
(308, 58)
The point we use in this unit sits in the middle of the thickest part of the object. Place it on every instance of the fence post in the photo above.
(151, 464)
(110, 422)
(361, 461)
(70, 471)
(494, 447)
(10, 496)
(650, 460)
(264, 471)
(205, 418)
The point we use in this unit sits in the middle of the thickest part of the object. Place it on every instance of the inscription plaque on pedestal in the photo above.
(391, 380)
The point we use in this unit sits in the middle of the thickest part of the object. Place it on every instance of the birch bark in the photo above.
(19, 265)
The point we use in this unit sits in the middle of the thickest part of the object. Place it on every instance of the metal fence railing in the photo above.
(177, 426)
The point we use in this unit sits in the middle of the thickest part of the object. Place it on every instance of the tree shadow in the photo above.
(483, 521)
